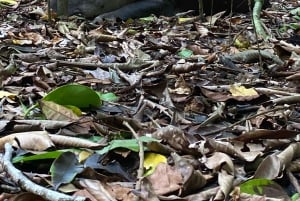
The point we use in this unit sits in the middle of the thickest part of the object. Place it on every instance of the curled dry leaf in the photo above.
(42, 140)
(225, 181)
(174, 136)
(96, 189)
(192, 179)
(165, 179)
(74, 142)
(223, 164)
(228, 148)
(220, 161)
(35, 140)
(269, 168)
(272, 166)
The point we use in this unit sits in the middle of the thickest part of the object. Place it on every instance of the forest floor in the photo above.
(166, 108)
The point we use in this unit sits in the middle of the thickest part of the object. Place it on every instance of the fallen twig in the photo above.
(17, 177)
(140, 171)
(130, 65)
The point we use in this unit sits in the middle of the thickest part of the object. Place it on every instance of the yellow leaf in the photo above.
(242, 42)
(236, 90)
(184, 19)
(22, 42)
(6, 94)
(75, 109)
(11, 2)
(83, 155)
(151, 161)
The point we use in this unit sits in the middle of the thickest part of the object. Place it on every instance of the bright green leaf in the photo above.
(295, 26)
(254, 186)
(47, 155)
(295, 11)
(185, 53)
(263, 187)
(295, 197)
(130, 144)
(109, 97)
(74, 94)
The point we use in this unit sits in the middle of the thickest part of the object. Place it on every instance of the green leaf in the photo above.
(263, 187)
(64, 169)
(108, 97)
(295, 26)
(295, 11)
(131, 144)
(185, 53)
(295, 197)
(74, 94)
(255, 186)
(47, 155)
(147, 19)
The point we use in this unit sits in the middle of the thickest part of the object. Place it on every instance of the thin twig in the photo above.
(130, 65)
(245, 119)
(26, 184)
(140, 171)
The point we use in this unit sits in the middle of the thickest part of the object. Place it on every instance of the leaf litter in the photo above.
(215, 108)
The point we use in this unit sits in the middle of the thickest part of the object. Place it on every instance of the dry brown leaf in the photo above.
(266, 134)
(174, 136)
(57, 112)
(269, 168)
(165, 179)
(96, 189)
(220, 161)
(35, 140)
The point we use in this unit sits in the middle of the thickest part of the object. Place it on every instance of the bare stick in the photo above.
(140, 171)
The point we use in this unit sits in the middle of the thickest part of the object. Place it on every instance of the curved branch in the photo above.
(256, 19)
(26, 184)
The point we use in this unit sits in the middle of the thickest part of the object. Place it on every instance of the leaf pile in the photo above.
(164, 108)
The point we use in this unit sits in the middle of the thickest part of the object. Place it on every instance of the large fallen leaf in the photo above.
(264, 187)
(242, 91)
(64, 169)
(74, 94)
(272, 166)
(57, 112)
(269, 168)
(192, 179)
(165, 179)
(35, 141)
(44, 155)
(130, 144)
